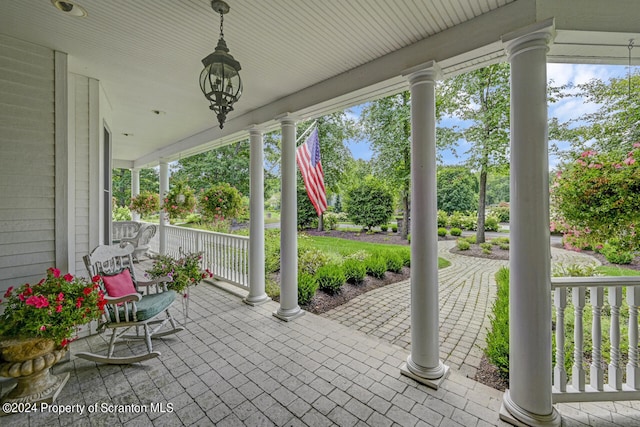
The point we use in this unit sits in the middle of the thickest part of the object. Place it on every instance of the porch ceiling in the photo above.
(306, 57)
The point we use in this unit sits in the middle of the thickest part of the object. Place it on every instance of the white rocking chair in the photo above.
(131, 305)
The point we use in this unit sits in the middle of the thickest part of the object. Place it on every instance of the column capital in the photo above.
(287, 119)
(426, 72)
(255, 130)
(536, 36)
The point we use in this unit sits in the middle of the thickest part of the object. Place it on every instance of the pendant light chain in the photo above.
(221, 23)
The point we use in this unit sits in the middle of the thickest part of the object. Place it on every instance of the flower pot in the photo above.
(29, 361)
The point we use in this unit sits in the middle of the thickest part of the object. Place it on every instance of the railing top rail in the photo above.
(195, 230)
(596, 281)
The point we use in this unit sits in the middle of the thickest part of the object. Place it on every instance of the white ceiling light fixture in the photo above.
(219, 80)
(69, 8)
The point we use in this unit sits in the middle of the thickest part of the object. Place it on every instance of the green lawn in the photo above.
(346, 247)
(606, 270)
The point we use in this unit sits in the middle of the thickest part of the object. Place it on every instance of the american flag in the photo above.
(308, 159)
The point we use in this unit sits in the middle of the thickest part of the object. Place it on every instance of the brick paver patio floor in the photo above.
(238, 365)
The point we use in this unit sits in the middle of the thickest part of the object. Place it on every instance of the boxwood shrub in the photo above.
(442, 231)
(455, 231)
(376, 266)
(463, 245)
(394, 261)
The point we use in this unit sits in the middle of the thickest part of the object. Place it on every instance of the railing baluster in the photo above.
(559, 372)
(577, 372)
(615, 371)
(597, 382)
(633, 300)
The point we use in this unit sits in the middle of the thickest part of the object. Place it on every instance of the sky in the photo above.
(564, 110)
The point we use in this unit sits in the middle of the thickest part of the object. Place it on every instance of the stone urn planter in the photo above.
(29, 361)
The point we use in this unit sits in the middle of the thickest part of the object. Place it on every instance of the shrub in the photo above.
(497, 350)
(455, 220)
(384, 227)
(470, 223)
(616, 255)
(121, 213)
(376, 266)
(463, 245)
(486, 246)
(443, 218)
(574, 270)
(145, 203)
(272, 251)
(394, 261)
(486, 251)
(504, 246)
(354, 270)
(405, 254)
(442, 231)
(499, 240)
(369, 203)
(471, 239)
(272, 288)
(310, 259)
(307, 287)
(330, 278)
(455, 232)
(500, 212)
(491, 223)
(394, 228)
(331, 220)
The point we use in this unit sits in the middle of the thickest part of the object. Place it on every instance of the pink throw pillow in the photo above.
(120, 284)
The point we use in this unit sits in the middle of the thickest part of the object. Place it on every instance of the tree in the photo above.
(121, 183)
(387, 124)
(457, 189)
(369, 203)
(228, 164)
(482, 97)
(614, 126)
(498, 187)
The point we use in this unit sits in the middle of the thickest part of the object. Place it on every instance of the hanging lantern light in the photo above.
(219, 80)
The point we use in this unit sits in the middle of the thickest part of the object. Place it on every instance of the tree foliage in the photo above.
(369, 203)
(614, 126)
(597, 199)
(121, 184)
(482, 97)
(457, 189)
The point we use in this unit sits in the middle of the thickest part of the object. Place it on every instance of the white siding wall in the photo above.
(27, 161)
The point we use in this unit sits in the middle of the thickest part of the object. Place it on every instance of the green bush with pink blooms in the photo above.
(596, 201)
(145, 203)
(220, 202)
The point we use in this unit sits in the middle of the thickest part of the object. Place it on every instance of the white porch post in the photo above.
(135, 190)
(257, 294)
(164, 218)
(289, 308)
(528, 400)
(423, 364)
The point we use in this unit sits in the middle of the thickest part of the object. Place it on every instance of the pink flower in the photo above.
(8, 293)
(595, 166)
(629, 161)
(55, 272)
(617, 165)
(42, 328)
(581, 162)
(79, 302)
(58, 309)
(37, 301)
(636, 145)
(60, 297)
(68, 277)
(95, 279)
(588, 153)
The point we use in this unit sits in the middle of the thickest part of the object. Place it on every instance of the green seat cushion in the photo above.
(150, 305)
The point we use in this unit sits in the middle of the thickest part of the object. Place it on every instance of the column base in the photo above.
(288, 314)
(259, 300)
(513, 414)
(431, 377)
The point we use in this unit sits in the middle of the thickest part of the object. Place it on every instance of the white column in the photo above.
(528, 400)
(257, 294)
(164, 217)
(289, 308)
(135, 190)
(423, 364)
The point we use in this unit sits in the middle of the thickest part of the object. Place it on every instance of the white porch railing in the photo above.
(225, 255)
(601, 300)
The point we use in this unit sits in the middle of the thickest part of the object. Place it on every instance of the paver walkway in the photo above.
(467, 290)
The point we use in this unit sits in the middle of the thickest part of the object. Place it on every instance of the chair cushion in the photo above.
(150, 305)
(119, 284)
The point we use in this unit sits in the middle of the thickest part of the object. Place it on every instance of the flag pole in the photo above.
(315, 122)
